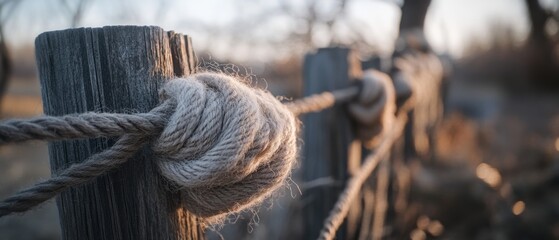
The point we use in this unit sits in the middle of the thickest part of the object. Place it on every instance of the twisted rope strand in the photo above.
(74, 175)
(354, 184)
(381, 199)
(321, 101)
(85, 125)
(97, 124)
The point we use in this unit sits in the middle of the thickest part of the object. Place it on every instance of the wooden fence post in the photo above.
(115, 69)
(330, 149)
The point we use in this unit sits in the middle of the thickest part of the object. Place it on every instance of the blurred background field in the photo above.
(494, 173)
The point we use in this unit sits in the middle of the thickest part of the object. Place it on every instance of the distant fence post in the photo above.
(330, 148)
(116, 69)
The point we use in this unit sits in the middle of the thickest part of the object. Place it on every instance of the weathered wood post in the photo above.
(114, 69)
(330, 148)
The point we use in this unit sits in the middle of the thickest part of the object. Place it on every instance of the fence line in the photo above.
(135, 129)
(88, 125)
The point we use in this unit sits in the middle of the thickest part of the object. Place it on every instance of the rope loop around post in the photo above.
(225, 145)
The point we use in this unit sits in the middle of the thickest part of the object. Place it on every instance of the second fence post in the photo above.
(115, 69)
(330, 151)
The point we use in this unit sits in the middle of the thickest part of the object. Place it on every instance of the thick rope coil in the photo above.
(375, 107)
(225, 145)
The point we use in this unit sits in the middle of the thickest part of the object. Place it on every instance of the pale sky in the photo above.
(450, 24)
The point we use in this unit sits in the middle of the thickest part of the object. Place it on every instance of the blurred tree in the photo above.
(6, 9)
(413, 14)
(412, 22)
(5, 63)
(542, 62)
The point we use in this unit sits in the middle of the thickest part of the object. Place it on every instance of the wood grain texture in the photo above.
(330, 148)
(114, 69)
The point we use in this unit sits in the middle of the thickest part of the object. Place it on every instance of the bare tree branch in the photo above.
(75, 14)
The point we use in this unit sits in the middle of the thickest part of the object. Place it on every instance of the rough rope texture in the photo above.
(86, 125)
(239, 144)
(354, 184)
(321, 101)
(224, 144)
(375, 107)
(74, 175)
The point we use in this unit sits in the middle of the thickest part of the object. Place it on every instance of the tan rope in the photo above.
(341, 208)
(381, 202)
(321, 101)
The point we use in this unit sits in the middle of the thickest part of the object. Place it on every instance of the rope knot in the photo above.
(374, 110)
(226, 145)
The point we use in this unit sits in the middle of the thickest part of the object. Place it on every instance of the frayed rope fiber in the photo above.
(225, 145)
(241, 146)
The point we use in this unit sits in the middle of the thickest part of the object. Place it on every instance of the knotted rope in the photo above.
(226, 145)
(240, 144)
(375, 107)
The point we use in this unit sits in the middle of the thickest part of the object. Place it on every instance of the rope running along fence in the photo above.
(354, 184)
(268, 157)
